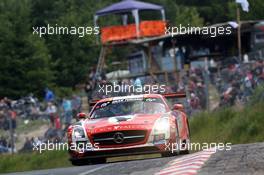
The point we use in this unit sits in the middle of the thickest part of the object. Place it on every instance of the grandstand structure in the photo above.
(159, 55)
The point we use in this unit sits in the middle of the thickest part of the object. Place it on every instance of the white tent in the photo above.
(117, 74)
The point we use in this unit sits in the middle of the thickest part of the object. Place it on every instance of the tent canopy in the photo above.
(127, 6)
(117, 74)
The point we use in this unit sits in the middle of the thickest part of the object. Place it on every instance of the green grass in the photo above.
(229, 125)
(33, 161)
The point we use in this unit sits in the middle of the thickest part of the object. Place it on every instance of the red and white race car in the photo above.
(129, 125)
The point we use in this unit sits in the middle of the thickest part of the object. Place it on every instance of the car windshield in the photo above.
(128, 107)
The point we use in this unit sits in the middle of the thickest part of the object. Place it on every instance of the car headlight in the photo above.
(78, 133)
(80, 141)
(161, 129)
(162, 125)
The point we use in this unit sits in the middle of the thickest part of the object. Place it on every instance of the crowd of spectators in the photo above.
(196, 89)
(237, 82)
(58, 113)
(192, 81)
(233, 81)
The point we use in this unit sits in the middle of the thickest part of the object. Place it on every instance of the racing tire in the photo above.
(166, 154)
(187, 141)
(78, 162)
(97, 161)
(186, 151)
(88, 162)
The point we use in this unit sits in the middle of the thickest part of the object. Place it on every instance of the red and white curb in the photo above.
(187, 165)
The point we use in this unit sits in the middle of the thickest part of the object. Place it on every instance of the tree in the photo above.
(24, 58)
(216, 11)
(30, 63)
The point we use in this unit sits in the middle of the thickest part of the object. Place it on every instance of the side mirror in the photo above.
(178, 107)
(81, 115)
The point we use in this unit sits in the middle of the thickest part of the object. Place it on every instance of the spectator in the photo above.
(200, 92)
(12, 114)
(3, 142)
(3, 145)
(88, 89)
(52, 112)
(28, 145)
(67, 111)
(57, 122)
(137, 83)
(50, 133)
(248, 85)
(76, 105)
(194, 102)
(49, 95)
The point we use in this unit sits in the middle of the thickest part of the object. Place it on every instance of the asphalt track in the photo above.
(241, 159)
(134, 167)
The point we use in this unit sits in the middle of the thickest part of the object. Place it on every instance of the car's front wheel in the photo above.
(186, 145)
(97, 161)
(78, 162)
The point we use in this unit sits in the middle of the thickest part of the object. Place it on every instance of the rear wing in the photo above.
(167, 96)
(175, 95)
(175, 98)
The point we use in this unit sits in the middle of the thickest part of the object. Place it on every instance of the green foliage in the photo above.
(33, 161)
(30, 63)
(258, 96)
(25, 59)
(215, 11)
(180, 14)
(188, 16)
(256, 11)
(229, 126)
(71, 55)
(63, 91)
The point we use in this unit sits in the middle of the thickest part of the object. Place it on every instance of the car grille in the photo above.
(129, 137)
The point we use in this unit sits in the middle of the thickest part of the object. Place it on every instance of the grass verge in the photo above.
(33, 161)
(229, 125)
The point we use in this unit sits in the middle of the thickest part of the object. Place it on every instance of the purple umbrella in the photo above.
(127, 6)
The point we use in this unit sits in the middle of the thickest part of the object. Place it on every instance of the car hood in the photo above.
(119, 123)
